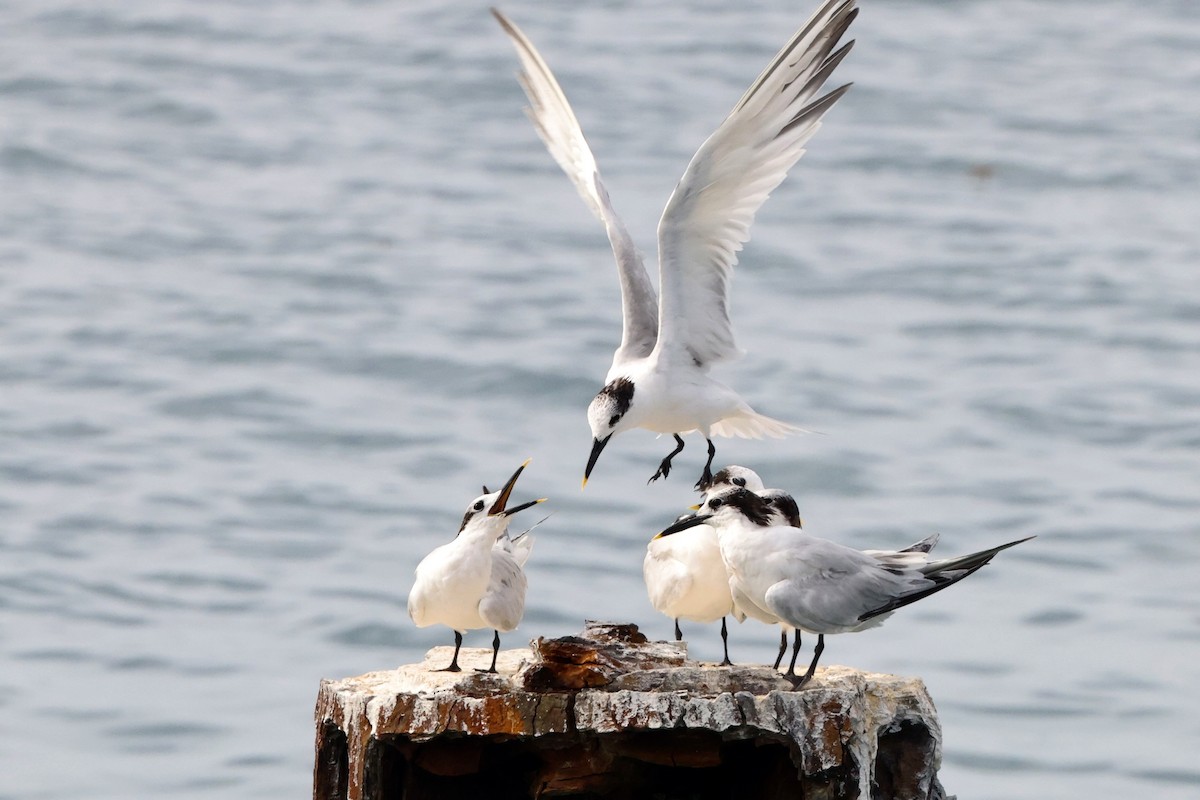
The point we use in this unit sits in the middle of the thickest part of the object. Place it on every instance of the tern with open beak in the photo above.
(470, 583)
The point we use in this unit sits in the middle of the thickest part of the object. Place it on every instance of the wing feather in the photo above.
(557, 126)
(708, 217)
(503, 603)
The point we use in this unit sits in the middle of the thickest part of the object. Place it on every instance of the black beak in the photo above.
(683, 524)
(597, 447)
(498, 506)
(509, 512)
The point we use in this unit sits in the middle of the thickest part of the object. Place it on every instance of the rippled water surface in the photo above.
(282, 283)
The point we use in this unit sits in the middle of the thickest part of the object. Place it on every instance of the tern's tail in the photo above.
(943, 573)
(752, 425)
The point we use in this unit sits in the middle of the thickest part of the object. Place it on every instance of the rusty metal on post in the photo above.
(608, 713)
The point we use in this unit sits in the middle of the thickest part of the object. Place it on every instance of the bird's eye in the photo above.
(739, 482)
(613, 420)
(478, 505)
(716, 502)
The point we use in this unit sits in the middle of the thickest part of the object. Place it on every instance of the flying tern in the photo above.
(814, 584)
(659, 375)
(476, 580)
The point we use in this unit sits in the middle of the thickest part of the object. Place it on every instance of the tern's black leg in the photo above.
(791, 673)
(782, 648)
(495, 652)
(706, 476)
(678, 633)
(725, 642)
(813, 666)
(664, 469)
(454, 667)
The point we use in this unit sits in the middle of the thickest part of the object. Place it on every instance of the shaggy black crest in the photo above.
(785, 504)
(723, 477)
(753, 507)
(621, 391)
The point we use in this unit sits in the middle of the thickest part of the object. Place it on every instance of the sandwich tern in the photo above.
(686, 578)
(814, 584)
(786, 512)
(476, 580)
(659, 375)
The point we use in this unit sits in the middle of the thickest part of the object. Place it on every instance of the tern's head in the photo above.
(784, 506)
(727, 507)
(606, 416)
(490, 510)
(733, 475)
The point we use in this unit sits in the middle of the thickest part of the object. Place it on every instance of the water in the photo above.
(281, 284)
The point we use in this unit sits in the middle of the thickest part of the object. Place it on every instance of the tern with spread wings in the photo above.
(659, 375)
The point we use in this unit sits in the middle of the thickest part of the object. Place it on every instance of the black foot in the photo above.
(798, 681)
(782, 650)
(495, 653)
(725, 662)
(812, 668)
(664, 469)
(492, 671)
(454, 667)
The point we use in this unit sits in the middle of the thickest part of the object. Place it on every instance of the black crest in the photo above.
(621, 392)
(785, 504)
(724, 477)
(752, 507)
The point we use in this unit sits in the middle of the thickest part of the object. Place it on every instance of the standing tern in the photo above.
(815, 584)
(785, 512)
(476, 580)
(686, 578)
(659, 375)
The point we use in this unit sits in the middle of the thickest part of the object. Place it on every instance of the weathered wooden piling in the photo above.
(610, 714)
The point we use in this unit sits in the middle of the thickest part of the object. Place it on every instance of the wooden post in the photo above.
(608, 713)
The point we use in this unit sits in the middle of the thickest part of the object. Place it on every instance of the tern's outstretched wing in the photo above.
(556, 124)
(709, 214)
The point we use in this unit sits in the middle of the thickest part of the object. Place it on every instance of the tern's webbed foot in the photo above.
(797, 681)
(725, 662)
(451, 668)
(664, 469)
(492, 671)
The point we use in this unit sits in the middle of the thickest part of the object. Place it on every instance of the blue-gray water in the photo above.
(282, 283)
